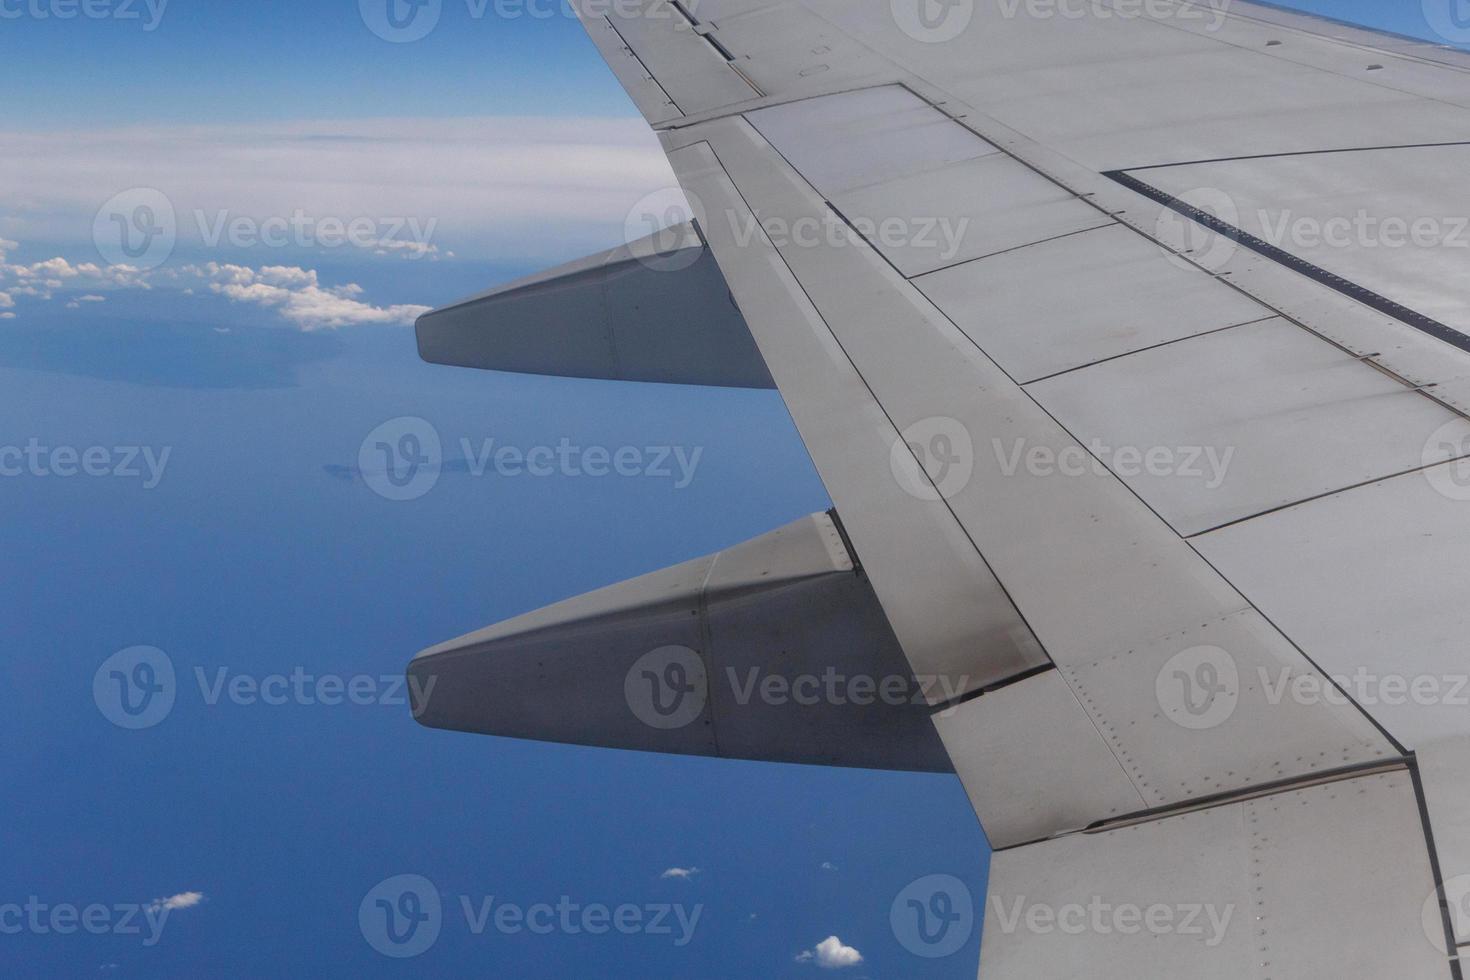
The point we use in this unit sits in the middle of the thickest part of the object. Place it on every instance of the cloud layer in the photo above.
(293, 293)
(521, 191)
(497, 188)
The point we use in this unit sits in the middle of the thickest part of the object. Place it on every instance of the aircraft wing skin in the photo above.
(1130, 340)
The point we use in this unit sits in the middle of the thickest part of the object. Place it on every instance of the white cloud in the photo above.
(294, 293)
(831, 954)
(501, 188)
(183, 900)
(54, 270)
(684, 873)
(828, 866)
(42, 279)
(409, 248)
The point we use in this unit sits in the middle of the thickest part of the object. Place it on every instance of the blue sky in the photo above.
(209, 61)
(260, 829)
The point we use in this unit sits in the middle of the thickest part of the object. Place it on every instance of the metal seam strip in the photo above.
(1352, 290)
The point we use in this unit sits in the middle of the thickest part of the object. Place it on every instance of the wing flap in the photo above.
(732, 655)
(1035, 763)
(655, 310)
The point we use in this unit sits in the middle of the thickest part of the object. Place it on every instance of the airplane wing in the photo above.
(1132, 343)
